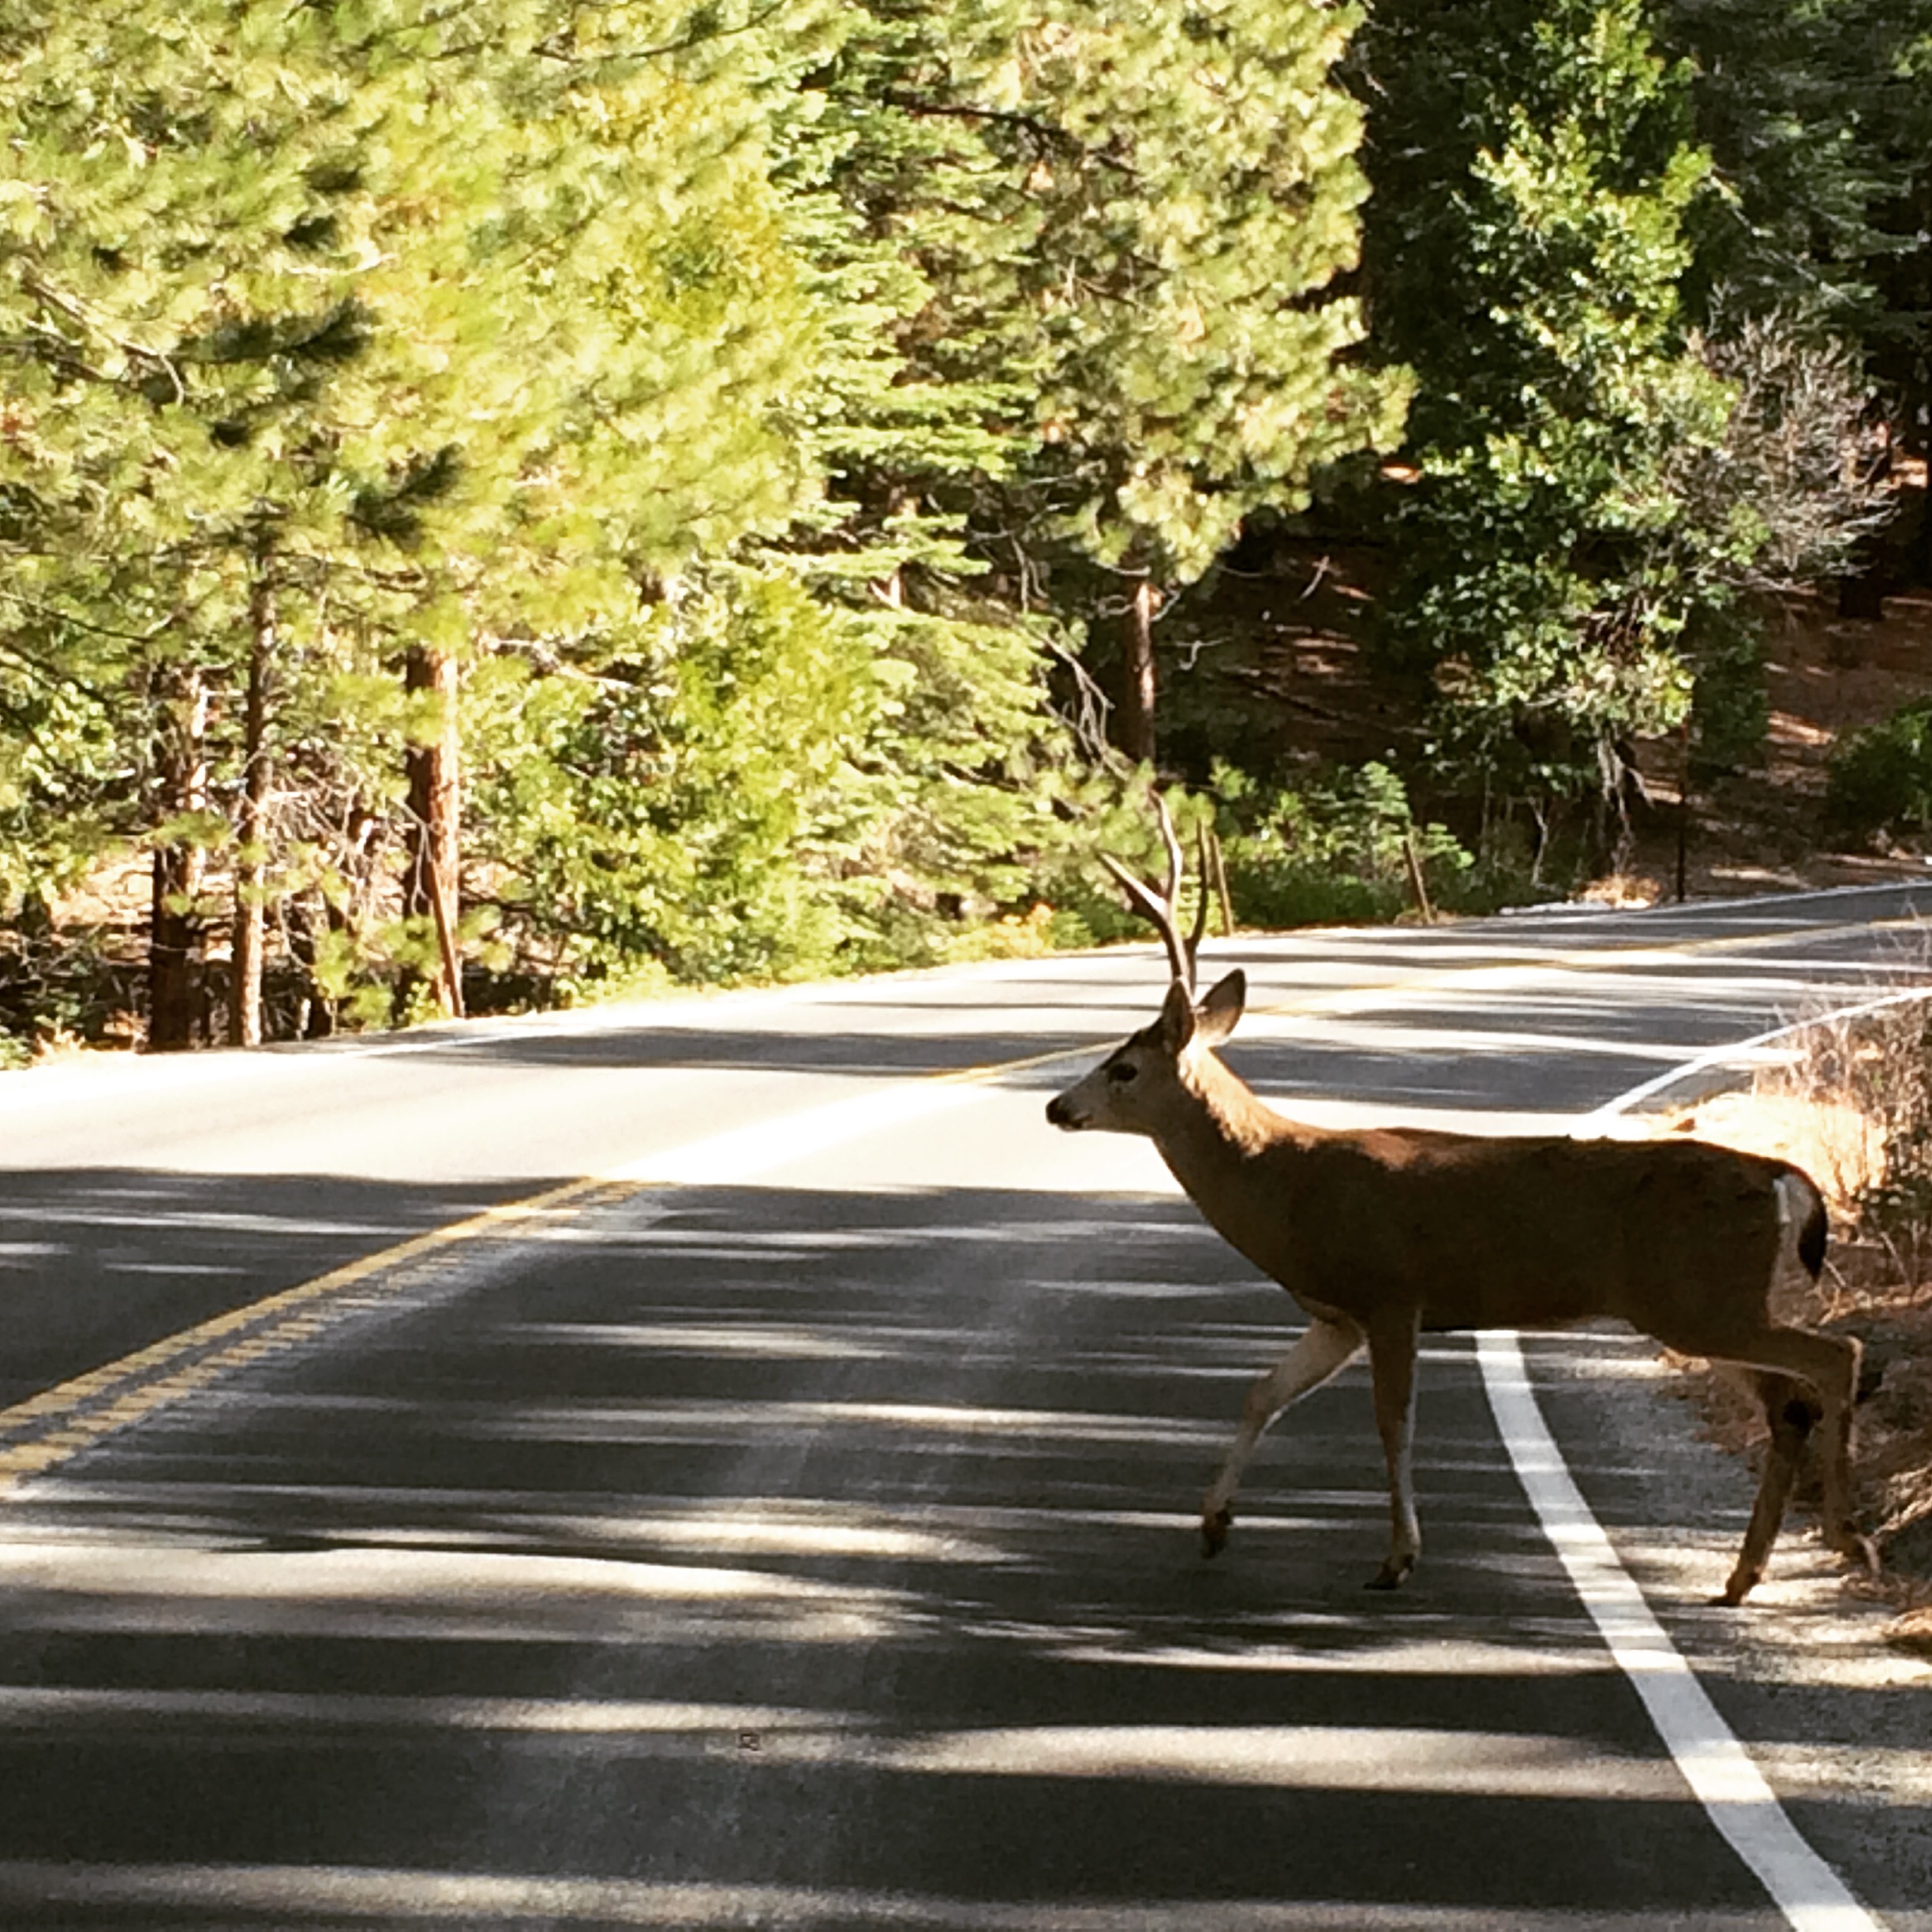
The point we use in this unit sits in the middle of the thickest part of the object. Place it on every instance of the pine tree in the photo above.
(1136, 215)
(368, 347)
(1820, 128)
(813, 739)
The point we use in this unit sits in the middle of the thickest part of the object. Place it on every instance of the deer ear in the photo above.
(1177, 1019)
(1221, 1007)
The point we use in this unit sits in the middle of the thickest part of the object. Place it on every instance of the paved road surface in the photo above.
(794, 1526)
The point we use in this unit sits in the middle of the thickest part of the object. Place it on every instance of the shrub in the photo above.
(1880, 779)
(1335, 853)
(75, 985)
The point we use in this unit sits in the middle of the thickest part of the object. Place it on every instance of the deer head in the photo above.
(1139, 1086)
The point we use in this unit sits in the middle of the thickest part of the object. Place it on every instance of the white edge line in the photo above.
(1719, 1770)
(1717, 1766)
(1740, 1053)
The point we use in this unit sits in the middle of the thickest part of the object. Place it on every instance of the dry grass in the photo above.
(1854, 1109)
(1623, 891)
(1913, 1631)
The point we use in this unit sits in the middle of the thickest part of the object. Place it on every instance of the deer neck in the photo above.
(1215, 1138)
(1238, 1159)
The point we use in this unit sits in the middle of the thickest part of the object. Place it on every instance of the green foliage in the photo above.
(1600, 489)
(1330, 851)
(653, 808)
(1880, 779)
(754, 403)
(1539, 589)
(1186, 228)
(1333, 852)
(542, 335)
(1134, 222)
(58, 760)
(1817, 122)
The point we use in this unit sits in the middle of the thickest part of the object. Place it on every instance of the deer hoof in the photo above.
(1741, 1583)
(1392, 1574)
(1860, 1550)
(1215, 1524)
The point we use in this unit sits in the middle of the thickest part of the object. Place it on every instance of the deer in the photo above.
(1383, 1233)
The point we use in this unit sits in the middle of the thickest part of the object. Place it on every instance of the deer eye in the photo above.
(1121, 1072)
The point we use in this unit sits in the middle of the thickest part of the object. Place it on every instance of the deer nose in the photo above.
(1059, 1113)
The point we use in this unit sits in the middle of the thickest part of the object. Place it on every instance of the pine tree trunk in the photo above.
(430, 884)
(1139, 689)
(245, 992)
(174, 931)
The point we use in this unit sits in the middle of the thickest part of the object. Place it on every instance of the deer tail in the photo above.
(1800, 1205)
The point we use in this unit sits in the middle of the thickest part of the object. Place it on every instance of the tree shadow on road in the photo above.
(755, 1555)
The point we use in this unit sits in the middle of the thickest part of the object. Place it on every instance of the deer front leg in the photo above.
(1392, 1341)
(1327, 1348)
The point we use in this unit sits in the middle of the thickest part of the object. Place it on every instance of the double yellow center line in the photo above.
(50, 1428)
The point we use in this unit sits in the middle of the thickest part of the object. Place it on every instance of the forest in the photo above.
(507, 503)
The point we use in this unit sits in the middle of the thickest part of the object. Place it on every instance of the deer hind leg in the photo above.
(1324, 1350)
(1791, 1414)
(1392, 1365)
(1828, 1365)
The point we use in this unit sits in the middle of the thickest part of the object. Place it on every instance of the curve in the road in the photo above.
(50, 1428)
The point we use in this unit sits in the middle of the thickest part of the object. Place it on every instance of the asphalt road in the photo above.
(732, 1464)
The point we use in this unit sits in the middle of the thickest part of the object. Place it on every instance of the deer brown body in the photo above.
(1381, 1233)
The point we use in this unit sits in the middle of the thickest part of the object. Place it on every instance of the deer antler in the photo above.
(1162, 909)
